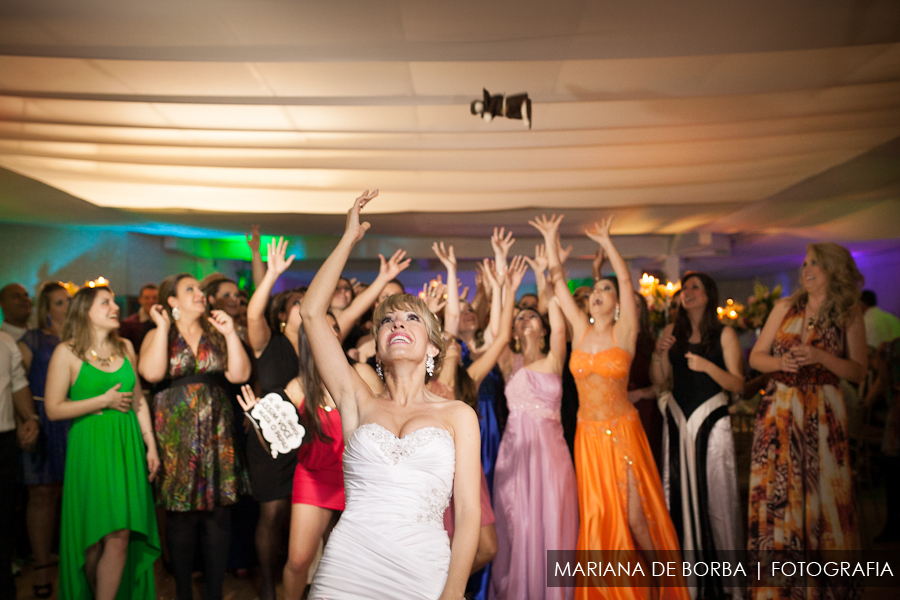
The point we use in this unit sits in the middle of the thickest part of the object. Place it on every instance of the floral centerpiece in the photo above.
(753, 314)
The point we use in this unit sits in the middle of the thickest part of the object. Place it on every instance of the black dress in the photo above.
(273, 478)
(699, 470)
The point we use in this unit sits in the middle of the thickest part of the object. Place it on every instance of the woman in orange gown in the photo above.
(621, 502)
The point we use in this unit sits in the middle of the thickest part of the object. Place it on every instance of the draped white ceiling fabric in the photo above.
(764, 118)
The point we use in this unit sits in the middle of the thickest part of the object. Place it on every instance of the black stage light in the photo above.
(512, 107)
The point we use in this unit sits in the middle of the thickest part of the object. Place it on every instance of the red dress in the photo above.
(319, 478)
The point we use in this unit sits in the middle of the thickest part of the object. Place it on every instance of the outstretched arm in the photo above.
(343, 383)
(549, 228)
(539, 265)
(256, 262)
(388, 270)
(557, 336)
(627, 325)
(258, 330)
(480, 368)
(451, 310)
(501, 242)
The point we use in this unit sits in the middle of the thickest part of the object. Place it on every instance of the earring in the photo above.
(543, 343)
(429, 365)
(379, 371)
(282, 326)
(176, 313)
(616, 316)
(517, 346)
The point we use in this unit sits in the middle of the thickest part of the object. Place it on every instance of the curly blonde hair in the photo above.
(416, 305)
(844, 284)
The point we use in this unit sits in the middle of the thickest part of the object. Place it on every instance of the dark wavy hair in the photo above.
(312, 389)
(710, 326)
(169, 289)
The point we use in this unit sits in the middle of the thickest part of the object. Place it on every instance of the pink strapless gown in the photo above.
(535, 490)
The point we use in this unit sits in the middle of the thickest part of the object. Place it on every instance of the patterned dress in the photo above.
(194, 431)
(801, 492)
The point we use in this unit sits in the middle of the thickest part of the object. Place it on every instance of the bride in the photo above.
(406, 450)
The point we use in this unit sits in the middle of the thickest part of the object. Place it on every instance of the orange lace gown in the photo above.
(609, 443)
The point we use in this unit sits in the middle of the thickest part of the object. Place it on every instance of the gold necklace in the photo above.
(811, 323)
(104, 362)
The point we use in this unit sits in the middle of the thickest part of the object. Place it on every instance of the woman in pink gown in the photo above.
(535, 490)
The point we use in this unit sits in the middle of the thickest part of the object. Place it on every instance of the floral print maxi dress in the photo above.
(195, 431)
(801, 491)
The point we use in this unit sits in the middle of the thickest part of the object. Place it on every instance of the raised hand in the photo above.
(354, 228)
(395, 265)
(276, 251)
(120, 401)
(599, 231)
(549, 228)
(247, 399)
(434, 293)
(222, 321)
(253, 239)
(464, 294)
(358, 286)
(446, 256)
(502, 241)
(515, 273)
(539, 263)
(160, 317)
(489, 274)
(563, 252)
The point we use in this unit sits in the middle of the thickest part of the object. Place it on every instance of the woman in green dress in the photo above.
(108, 539)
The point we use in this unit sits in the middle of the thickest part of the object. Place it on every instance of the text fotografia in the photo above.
(735, 570)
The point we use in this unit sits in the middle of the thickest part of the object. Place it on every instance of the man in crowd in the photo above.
(881, 326)
(18, 427)
(16, 307)
(136, 326)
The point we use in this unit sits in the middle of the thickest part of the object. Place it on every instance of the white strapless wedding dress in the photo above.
(390, 541)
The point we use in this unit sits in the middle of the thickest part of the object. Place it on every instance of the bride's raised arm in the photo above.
(343, 383)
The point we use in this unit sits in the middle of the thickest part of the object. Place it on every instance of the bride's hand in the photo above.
(354, 229)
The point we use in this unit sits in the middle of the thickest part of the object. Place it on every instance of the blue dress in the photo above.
(46, 464)
(479, 582)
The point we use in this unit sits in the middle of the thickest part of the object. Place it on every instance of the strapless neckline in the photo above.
(602, 351)
(397, 448)
(401, 438)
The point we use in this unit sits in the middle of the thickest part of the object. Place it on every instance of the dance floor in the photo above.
(871, 514)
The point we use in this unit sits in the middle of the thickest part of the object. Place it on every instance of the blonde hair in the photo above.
(78, 331)
(43, 300)
(416, 305)
(844, 283)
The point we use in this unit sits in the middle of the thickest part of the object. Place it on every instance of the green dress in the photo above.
(106, 489)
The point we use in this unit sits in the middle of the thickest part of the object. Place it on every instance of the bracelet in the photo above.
(34, 417)
(657, 358)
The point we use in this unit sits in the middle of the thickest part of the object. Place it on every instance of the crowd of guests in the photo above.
(595, 433)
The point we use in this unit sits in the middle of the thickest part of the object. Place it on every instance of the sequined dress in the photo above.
(610, 444)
